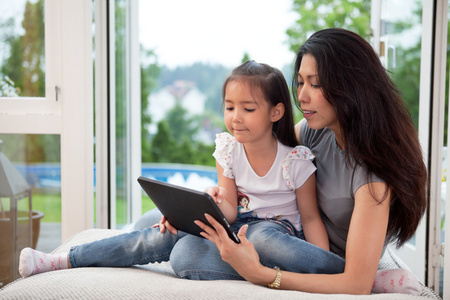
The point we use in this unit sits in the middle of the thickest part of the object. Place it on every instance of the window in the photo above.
(35, 157)
(44, 118)
(117, 133)
(186, 54)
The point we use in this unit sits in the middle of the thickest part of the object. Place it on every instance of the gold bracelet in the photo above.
(277, 282)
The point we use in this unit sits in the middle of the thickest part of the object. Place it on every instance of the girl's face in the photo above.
(246, 118)
(318, 112)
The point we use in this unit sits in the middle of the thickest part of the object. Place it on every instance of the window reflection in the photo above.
(33, 163)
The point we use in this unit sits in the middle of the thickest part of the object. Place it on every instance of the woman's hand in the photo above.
(164, 224)
(242, 257)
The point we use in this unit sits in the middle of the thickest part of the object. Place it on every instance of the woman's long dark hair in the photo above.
(378, 132)
(268, 82)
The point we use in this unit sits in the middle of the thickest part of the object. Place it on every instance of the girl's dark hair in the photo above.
(269, 83)
(377, 129)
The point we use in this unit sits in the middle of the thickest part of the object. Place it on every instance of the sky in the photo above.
(212, 31)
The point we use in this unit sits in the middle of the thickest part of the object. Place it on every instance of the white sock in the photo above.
(396, 281)
(32, 262)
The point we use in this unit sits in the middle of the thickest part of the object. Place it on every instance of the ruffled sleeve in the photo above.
(225, 143)
(301, 153)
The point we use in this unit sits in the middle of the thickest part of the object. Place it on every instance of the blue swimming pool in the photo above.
(49, 175)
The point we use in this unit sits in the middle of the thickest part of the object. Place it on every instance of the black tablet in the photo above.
(182, 206)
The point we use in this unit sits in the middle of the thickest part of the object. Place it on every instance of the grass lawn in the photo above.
(147, 204)
(49, 204)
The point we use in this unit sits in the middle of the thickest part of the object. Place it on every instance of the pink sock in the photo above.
(396, 281)
(32, 262)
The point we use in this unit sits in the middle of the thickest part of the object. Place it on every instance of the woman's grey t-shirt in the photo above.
(336, 183)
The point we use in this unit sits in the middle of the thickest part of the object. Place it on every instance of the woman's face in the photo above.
(317, 111)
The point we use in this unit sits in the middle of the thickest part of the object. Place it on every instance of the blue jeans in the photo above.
(132, 248)
(193, 257)
(276, 242)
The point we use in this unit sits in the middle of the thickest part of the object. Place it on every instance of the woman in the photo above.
(371, 179)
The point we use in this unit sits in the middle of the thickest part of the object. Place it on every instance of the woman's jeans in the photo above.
(192, 257)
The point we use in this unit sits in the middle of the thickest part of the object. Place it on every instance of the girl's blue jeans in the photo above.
(193, 257)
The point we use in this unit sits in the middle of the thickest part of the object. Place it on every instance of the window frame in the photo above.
(105, 115)
(69, 67)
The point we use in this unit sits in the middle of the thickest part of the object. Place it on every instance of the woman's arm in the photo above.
(364, 245)
(312, 223)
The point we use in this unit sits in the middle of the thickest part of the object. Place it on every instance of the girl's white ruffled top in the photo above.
(272, 195)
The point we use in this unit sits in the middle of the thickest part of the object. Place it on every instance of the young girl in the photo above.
(257, 160)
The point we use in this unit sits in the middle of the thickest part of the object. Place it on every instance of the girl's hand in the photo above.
(217, 193)
(164, 224)
(242, 257)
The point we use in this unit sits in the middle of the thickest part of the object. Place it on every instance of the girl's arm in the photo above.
(364, 245)
(229, 206)
(312, 223)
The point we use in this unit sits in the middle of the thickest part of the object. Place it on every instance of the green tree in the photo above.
(319, 14)
(162, 144)
(314, 15)
(203, 155)
(150, 72)
(245, 58)
(12, 62)
(175, 140)
(25, 62)
(355, 16)
(184, 152)
(406, 77)
(180, 124)
(32, 50)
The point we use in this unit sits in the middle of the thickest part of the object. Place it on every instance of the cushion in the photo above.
(150, 282)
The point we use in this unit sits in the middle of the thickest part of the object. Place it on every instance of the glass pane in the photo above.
(32, 165)
(401, 28)
(183, 70)
(443, 203)
(445, 174)
(22, 62)
(122, 124)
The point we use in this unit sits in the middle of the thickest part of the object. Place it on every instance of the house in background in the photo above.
(163, 100)
(190, 98)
